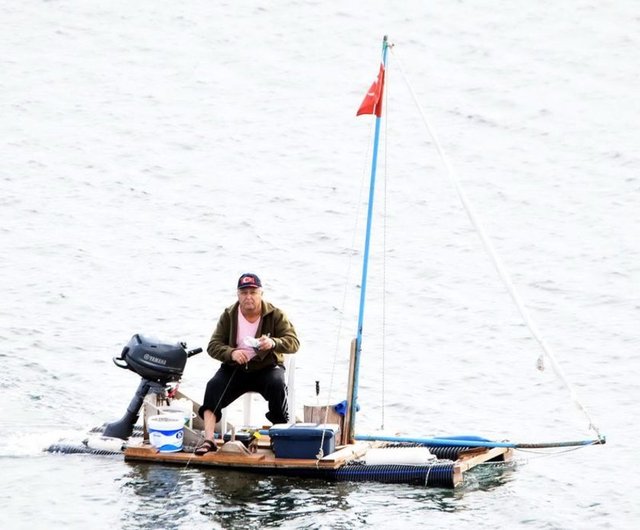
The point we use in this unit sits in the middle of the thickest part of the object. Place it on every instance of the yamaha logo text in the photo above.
(154, 359)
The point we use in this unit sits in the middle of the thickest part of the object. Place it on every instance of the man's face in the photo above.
(250, 299)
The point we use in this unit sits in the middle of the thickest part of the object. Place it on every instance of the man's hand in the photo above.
(266, 343)
(240, 356)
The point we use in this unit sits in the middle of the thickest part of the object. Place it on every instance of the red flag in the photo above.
(372, 102)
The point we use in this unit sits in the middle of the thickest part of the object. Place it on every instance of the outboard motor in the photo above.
(158, 364)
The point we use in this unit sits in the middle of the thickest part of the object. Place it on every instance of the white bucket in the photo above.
(408, 456)
(174, 413)
(180, 408)
(166, 432)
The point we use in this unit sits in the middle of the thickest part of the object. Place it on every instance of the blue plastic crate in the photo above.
(303, 440)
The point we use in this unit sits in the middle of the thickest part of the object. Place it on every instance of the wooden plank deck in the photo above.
(474, 457)
(263, 458)
(233, 455)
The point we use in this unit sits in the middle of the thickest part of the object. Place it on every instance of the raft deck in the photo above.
(262, 458)
(345, 464)
(342, 465)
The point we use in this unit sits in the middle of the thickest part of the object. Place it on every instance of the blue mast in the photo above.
(353, 399)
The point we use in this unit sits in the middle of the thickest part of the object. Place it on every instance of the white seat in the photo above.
(248, 398)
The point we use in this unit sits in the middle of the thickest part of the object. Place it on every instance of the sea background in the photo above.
(152, 151)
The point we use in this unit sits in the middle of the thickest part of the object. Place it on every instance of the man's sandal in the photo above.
(208, 446)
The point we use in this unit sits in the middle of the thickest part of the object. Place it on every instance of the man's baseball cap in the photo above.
(249, 280)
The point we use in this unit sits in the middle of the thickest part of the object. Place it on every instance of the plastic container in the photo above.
(186, 405)
(241, 436)
(179, 410)
(303, 440)
(408, 456)
(166, 432)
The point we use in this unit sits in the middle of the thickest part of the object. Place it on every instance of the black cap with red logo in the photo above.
(249, 280)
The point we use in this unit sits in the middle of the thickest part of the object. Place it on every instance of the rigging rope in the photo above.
(504, 276)
(384, 250)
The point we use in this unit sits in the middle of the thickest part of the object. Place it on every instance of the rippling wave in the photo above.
(152, 154)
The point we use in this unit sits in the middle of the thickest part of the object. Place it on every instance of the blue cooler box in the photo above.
(302, 440)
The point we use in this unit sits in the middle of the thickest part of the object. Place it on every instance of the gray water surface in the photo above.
(154, 151)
